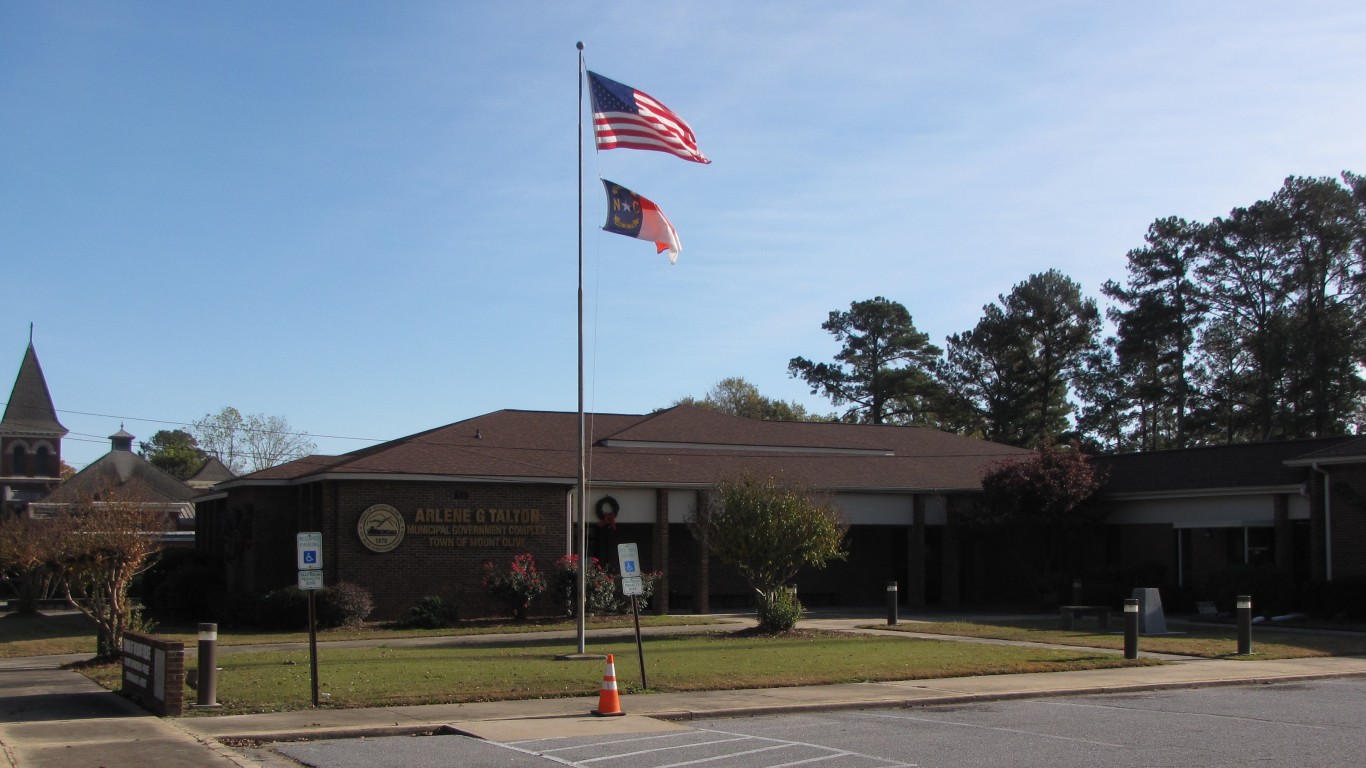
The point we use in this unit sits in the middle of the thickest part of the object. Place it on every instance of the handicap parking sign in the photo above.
(629, 556)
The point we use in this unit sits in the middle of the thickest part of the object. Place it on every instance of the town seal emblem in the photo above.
(380, 528)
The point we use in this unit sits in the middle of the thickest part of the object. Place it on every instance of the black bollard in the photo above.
(1244, 625)
(891, 603)
(1131, 628)
(208, 666)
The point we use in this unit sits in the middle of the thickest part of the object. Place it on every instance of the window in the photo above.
(20, 461)
(42, 466)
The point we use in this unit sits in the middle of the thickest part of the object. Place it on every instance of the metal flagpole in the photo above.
(580, 501)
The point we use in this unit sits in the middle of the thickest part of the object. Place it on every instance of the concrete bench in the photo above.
(1070, 614)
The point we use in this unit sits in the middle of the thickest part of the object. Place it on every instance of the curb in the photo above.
(687, 715)
(970, 698)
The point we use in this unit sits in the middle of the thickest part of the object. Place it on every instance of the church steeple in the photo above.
(30, 435)
(30, 410)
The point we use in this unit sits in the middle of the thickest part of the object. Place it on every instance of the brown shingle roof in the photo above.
(1347, 449)
(679, 446)
(133, 476)
(1251, 465)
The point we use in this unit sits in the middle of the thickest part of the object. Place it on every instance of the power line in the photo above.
(191, 424)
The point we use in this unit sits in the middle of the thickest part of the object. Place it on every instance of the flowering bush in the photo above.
(602, 593)
(517, 586)
(601, 586)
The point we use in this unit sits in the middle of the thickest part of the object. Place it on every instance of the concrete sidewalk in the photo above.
(55, 717)
(59, 718)
(512, 720)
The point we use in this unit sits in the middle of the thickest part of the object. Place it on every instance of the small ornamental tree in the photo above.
(769, 531)
(107, 540)
(26, 548)
(517, 586)
(1041, 505)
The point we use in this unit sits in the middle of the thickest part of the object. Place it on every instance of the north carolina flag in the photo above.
(632, 215)
(630, 119)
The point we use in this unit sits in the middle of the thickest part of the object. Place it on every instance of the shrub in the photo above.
(431, 613)
(1272, 590)
(343, 605)
(600, 591)
(780, 611)
(603, 595)
(1343, 598)
(239, 609)
(184, 586)
(516, 587)
(283, 609)
(647, 589)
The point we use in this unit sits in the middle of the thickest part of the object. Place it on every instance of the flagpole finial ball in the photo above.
(579, 45)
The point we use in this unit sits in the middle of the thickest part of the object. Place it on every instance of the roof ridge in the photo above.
(1226, 446)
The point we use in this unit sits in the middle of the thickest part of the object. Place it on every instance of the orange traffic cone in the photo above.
(609, 703)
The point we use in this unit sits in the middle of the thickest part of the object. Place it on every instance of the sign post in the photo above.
(633, 585)
(310, 556)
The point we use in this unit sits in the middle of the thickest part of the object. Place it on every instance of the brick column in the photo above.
(1285, 547)
(702, 584)
(1318, 562)
(915, 555)
(951, 597)
(661, 552)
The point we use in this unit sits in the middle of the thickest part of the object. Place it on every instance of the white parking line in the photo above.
(661, 749)
(713, 737)
(594, 744)
(726, 756)
(992, 728)
(820, 747)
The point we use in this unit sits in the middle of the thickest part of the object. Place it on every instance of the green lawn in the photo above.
(1212, 641)
(388, 676)
(45, 635)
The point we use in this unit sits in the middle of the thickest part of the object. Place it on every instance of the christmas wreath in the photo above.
(606, 510)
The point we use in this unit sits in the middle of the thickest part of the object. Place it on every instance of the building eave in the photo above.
(386, 476)
(1187, 493)
(1326, 461)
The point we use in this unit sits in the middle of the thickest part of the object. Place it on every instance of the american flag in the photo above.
(627, 118)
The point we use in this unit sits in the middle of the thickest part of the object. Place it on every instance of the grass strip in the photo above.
(64, 633)
(397, 675)
(1210, 642)
(45, 635)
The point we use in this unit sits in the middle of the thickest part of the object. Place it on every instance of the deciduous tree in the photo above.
(106, 540)
(250, 443)
(27, 546)
(1040, 505)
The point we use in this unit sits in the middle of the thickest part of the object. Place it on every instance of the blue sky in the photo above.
(363, 216)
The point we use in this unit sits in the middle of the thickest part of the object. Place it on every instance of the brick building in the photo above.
(1295, 510)
(420, 515)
